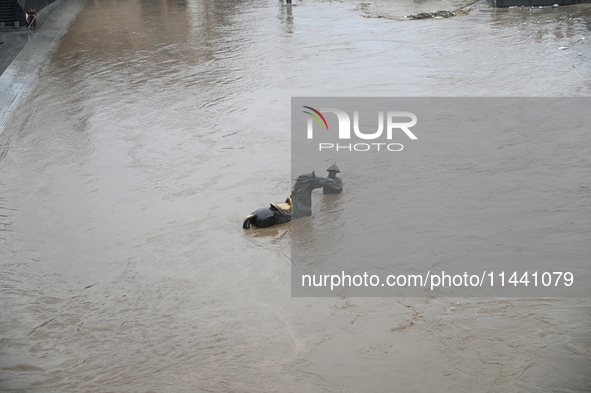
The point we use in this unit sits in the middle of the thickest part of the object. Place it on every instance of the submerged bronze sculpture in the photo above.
(337, 187)
(298, 204)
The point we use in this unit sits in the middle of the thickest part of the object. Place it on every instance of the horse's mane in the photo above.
(301, 181)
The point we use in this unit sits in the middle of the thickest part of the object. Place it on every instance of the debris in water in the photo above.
(429, 15)
(555, 6)
(563, 48)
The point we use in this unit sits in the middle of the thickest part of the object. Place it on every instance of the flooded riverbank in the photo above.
(158, 125)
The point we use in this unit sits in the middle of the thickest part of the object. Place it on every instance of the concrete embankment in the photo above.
(21, 76)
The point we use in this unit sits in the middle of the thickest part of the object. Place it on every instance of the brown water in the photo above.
(158, 125)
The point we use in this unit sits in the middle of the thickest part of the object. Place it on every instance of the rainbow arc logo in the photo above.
(317, 112)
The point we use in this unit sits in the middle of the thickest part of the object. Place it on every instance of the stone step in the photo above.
(7, 8)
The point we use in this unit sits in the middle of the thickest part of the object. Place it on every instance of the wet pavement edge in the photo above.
(21, 76)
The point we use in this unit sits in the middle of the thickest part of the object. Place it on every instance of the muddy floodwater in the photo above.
(157, 126)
